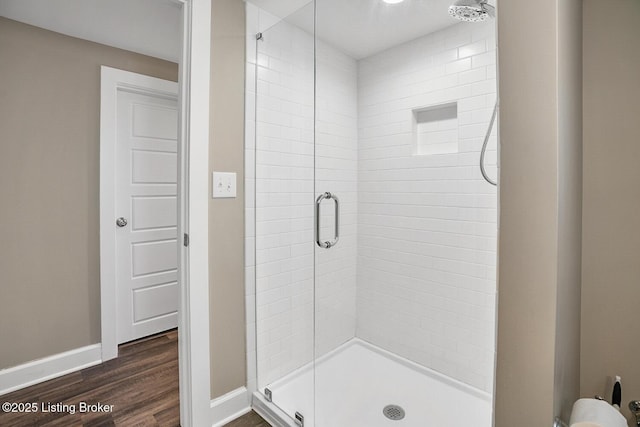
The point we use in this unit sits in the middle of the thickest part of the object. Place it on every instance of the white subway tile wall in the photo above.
(427, 224)
(414, 271)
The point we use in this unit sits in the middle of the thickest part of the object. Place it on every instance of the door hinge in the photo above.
(259, 36)
(186, 240)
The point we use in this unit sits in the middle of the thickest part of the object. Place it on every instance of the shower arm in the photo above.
(484, 146)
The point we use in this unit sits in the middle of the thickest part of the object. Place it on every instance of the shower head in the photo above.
(472, 10)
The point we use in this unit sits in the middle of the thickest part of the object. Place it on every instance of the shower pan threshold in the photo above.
(356, 381)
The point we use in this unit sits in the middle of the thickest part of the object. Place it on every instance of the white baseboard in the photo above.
(41, 370)
(232, 405)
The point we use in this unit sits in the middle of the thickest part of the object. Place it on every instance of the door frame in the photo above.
(193, 214)
(193, 266)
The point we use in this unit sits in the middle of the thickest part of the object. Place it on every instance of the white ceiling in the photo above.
(361, 28)
(149, 27)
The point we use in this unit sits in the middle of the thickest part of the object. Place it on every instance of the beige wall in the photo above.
(226, 216)
(528, 215)
(611, 229)
(49, 229)
(539, 178)
(567, 351)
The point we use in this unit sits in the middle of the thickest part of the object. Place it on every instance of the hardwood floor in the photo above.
(141, 384)
(249, 420)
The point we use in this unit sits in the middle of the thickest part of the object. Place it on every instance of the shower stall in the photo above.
(371, 229)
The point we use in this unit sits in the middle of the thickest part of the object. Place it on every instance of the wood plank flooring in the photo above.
(141, 384)
(249, 420)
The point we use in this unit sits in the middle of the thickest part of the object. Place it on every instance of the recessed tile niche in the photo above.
(436, 129)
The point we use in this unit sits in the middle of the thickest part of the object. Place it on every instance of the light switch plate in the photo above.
(224, 185)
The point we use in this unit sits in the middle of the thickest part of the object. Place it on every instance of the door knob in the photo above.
(121, 222)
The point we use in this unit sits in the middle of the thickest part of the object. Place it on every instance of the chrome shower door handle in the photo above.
(332, 243)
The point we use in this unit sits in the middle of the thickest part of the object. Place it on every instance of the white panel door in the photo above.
(146, 189)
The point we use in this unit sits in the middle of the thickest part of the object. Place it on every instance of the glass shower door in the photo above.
(284, 213)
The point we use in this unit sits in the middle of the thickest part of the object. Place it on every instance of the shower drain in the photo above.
(393, 412)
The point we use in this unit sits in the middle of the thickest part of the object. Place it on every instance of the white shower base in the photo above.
(356, 381)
